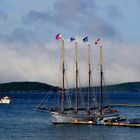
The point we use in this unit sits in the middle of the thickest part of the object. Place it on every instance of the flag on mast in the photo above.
(72, 39)
(85, 39)
(98, 41)
(59, 36)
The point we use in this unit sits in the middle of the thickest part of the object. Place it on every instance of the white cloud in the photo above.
(42, 63)
(122, 62)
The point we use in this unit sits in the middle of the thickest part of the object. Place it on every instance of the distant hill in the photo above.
(130, 86)
(122, 87)
(37, 86)
(27, 86)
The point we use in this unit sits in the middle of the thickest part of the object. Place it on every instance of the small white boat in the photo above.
(5, 100)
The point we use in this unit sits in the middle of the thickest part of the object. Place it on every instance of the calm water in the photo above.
(18, 121)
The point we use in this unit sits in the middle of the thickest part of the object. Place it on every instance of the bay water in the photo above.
(19, 121)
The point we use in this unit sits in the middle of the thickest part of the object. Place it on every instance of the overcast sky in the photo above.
(29, 51)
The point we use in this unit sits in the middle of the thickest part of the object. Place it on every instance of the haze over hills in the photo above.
(37, 86)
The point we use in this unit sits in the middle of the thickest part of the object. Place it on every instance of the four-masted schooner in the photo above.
(89, 113)
(69, 115)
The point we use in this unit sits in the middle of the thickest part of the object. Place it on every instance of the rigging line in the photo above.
(58, 99)
(67, 93)
(47, 96)
(105, 91)
(59, 77)
(87, 81)
(60, 85)
(44, 115)
(54, 103)
(95, 97)
(95, 103)
(81, 93)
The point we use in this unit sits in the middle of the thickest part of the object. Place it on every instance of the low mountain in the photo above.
(37, 86)
(27, 86)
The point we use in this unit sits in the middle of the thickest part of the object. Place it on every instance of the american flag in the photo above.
(97, 41)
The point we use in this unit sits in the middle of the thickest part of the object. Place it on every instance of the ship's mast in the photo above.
(101, 79)
(89, 75)
(76, 64)
(63, 77)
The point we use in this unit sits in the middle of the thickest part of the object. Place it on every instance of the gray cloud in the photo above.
(114, 12)
(37, 16)
(73, 17)
(3, 16)
(69, 11)
(20, 35)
